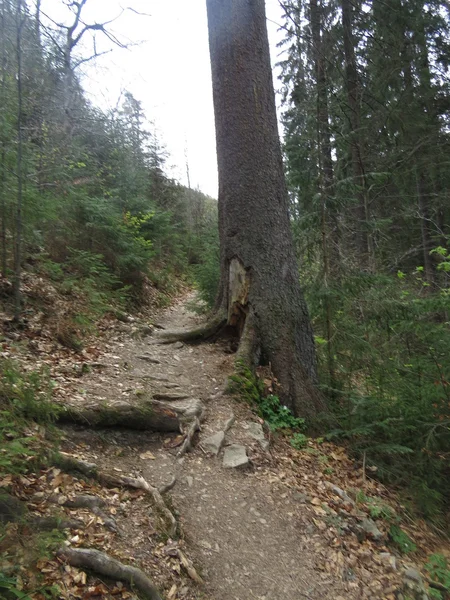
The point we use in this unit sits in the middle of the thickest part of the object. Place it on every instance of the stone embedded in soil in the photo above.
(371, 530)
(235, 456)
(255, 431)
(413, 585)
(214, 443)
(178, 345)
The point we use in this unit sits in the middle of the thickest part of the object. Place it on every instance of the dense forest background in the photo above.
(83, 193)
(366, 118)
(85, 201)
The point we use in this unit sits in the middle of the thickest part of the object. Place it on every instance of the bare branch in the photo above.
(92, 57)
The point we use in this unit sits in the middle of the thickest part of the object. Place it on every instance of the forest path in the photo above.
(251, 532)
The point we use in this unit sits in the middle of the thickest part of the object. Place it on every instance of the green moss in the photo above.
(244, 385)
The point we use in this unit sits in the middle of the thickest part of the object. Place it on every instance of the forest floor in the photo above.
(286, 524)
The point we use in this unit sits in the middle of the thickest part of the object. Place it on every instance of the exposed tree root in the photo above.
(95, 505)
(190, 570)
(51, 523)
(141, 415)
(101, 563)
(169, 486)
(187, 444)
(169, 521)
(170, 396)
(198, 334)
(68, 462)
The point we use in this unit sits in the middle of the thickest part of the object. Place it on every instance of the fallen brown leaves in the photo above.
(338, 503)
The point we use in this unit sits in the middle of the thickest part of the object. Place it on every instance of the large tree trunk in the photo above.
(259, 291)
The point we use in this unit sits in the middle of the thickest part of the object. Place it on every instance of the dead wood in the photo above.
(198, 334)
(101, 563)
(249, 345)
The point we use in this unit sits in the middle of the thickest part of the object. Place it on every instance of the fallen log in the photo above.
(101, 563)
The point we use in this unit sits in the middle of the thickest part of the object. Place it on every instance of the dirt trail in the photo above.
(250, 534)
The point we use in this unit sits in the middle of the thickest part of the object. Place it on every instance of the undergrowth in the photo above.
(27, 439)
(246, 386)
(438, 568)
(389, 389)
(26, 415)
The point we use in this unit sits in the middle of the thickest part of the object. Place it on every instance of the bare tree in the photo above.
(73, 34)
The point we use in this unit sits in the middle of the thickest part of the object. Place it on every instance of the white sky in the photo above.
(169, 72)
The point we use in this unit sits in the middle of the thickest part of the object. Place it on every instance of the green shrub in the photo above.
(8, 585)
(298, 441)
(390, 389)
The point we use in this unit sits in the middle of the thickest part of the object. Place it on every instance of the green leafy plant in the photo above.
(298, 441)
(9, 586)
(376, 507)
(439, 570)
(402, 540)
(248, 387)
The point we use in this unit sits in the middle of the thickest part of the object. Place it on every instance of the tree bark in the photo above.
(259, 275)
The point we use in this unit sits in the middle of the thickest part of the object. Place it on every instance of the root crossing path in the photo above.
(250, 532)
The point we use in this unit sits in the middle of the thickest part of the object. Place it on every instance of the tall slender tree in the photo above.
(18, 232)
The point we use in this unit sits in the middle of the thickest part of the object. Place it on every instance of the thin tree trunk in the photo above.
(18, 240)
(326, 184)
(427, 243)
(3, 145)
(259, 290)
(37, 22)
(364, 240)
